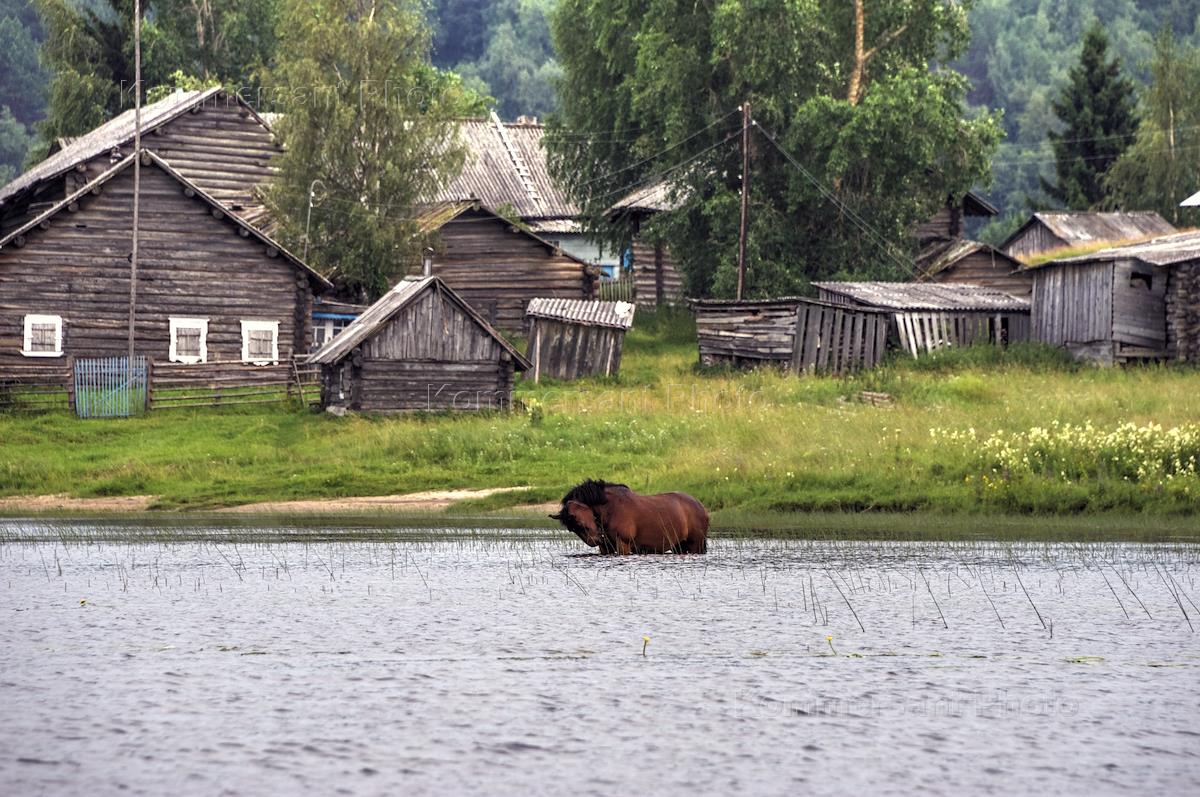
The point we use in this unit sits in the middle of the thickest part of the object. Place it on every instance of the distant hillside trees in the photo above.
(879, 139)
(1096, 112)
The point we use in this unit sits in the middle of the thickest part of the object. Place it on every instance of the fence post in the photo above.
(149, 383)
(71, 381)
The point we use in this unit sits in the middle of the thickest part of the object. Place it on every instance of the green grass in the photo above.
(756, 447)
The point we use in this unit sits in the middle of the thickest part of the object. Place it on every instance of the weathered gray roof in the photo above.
(942, 254)
(937, 296)
(199, 192)
(1085, 227)
(113, 133)
(506, 165)
(1165, 251)
(617, 315)
(392, 302)
(654, 198)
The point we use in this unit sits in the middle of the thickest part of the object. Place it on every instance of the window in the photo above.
(260, 342)
(326, 329)
(43, 336)
(189, 340)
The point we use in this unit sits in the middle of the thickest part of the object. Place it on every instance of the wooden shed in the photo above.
(948, 223)
(497, 265)
(931, 315)
(656, 277)
(211, 288)
(801, 334)
(1047, 230)
(964, 262)
(1140, 301)
(569, 338)
(420, 347)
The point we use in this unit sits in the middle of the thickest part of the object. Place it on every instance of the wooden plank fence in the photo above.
(925, 332)
(37, 387)
(837, 340)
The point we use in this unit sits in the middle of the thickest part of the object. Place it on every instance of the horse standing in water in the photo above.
(617, 520)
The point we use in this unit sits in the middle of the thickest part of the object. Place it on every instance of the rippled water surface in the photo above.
(504, 664)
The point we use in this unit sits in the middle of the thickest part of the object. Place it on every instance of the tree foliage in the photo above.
(652, 89)
(1162, 166)
(366, 117)
(1096, 111)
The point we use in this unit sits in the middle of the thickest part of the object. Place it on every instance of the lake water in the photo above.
(505, 663)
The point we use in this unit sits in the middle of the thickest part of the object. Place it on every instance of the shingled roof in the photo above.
(506, 165)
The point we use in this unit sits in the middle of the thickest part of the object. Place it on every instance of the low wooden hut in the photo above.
(931, 315)
(1134, 302)
(656, 277)
(420, 347)
(965, 262)
(801, 334)
(211, 288)
(569, 338)
(497, 265)
(1047, 230)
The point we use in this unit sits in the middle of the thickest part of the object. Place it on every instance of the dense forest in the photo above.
(1017, 61)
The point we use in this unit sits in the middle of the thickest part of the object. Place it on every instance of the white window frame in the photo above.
(27, 339)
(260, 326)
(177, 323)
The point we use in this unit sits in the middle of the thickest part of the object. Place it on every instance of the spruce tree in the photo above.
(1096, 108)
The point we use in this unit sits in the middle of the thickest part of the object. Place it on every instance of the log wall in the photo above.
(656, 278)
(1182, 304)
(497, 269)
(191, 264)
(981, 268)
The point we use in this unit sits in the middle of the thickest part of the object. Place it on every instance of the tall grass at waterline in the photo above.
(753, 443)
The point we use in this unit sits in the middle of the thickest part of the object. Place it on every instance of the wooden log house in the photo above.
(211, 287)
(421, 347)
(1048, 230)
(965, 262)
(499, 266)
(1125, 303)
(656, 277)
(569, 338)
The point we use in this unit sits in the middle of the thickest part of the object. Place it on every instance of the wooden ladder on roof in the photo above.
(518, 161)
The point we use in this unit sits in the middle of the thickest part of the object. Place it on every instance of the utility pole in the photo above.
(741, 283)
(137, 172)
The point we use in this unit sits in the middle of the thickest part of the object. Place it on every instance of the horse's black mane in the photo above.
(589, 492)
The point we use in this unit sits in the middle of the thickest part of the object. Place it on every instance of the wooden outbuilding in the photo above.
(931, 315)
(950, 221)
(1047, 230)
(1140, 301)
(965, 262)
(211, 287)
(420, 347)
(800, 334)
(498, 266)
(569, 338)
(656, 276)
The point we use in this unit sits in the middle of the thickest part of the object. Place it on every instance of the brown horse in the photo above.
(617, 520)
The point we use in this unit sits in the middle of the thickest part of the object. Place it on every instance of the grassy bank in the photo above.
(977, 431)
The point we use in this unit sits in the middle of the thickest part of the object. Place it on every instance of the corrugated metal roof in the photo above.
(506, 165)
(556, 226)
(654, 198)
(113, 133)
(942, 254)
(925, 296)
(1165, 251)
(1191, 202)
(199, 192)
(391, 303)
(1081, 228)
(618, 315)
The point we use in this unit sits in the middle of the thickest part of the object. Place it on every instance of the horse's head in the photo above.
(581, 519)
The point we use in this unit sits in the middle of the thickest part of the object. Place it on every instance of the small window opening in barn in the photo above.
(43, 336)
(1141, 279)
(260, 342)
(189, 340)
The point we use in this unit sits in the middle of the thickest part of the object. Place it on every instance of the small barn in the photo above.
(1139, 301)
(211, 288)
(497, 265)
(790, 332)
(656, 277)
(949, 222)
(1047, 230)
(931, 315)
(964, 262)
(420, 347)
(569, 338)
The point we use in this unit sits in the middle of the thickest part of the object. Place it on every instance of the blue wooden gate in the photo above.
(108, 387)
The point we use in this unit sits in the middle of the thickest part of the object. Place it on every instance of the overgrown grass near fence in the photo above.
(759, 444)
